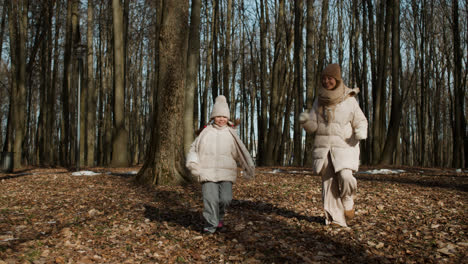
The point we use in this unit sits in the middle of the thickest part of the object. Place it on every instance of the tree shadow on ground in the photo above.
(16, 174)
(268, 208)
(459, 183)
(263, 236)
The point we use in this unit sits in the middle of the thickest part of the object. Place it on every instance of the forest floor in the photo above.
(50, 216)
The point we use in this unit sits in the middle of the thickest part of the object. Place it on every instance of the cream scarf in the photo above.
(245, 159)
(328, 99)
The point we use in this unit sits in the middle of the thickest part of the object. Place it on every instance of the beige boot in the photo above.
(349, 214)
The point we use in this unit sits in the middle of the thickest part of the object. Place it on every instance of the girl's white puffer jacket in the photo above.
(213, 155)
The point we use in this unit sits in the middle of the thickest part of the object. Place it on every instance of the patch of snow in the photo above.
(85, 173)
(283, 171)
(274, 171)
(8, 239)
(382, 171)
(300, 172)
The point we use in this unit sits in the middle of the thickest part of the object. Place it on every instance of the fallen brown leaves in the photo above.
(50, 216)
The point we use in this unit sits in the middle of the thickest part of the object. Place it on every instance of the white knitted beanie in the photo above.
(220, 108)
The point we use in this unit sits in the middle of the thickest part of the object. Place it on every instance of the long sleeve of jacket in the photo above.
(311, 124)
(192, 161)
(359, 122)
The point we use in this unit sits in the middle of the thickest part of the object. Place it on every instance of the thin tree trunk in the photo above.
(214, 32)
(459, 131)
(18, 32)
(209, 52)
(193, 54)
(100, 88)
(364, 95)
(52, 135)
(423, 90)
(227, 55)
(378, 90)
(298, 66)
(262, 117)
(2, 26)
(276, 82)
(120, 133)
(44, 88)
(92, 92)
(395, 117)
(67, 69)
(310, 77)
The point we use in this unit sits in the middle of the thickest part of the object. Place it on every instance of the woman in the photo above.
(338, 123)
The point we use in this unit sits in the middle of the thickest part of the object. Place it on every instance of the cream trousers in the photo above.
(338, 191)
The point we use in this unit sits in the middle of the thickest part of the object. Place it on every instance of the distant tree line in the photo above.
(148, 72)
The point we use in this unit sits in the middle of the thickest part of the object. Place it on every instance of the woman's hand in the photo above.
(304, 117)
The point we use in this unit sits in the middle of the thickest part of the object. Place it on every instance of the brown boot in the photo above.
(349, 214)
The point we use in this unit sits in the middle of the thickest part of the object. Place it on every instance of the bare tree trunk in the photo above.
(276, 83)
(214, 32)
(67, 69)
(262, 117)
(310, 78)
(2, 25)
(423, 91)
(100, 88)
(2, 33)
(92, 92)
(253, 95)
(436, 129)
(378, 90)
(107, 130)
(84, 95)
(395, 117)
(193, 54)
(227, 55)
(120, 134)
(40, 153)
(7, 143)
(459, 130)
(363, 84)
(165, 162)
(18, 31)
(322, 43)
(52, 136)
(298, 66)
(286, 140)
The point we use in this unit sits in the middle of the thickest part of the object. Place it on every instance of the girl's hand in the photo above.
(194, 169)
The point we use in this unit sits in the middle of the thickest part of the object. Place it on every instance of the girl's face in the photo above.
(220, 120)
(328, 82)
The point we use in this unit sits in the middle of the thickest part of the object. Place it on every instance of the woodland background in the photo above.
(120, 83)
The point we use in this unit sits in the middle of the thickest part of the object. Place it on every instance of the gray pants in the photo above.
(216, 197)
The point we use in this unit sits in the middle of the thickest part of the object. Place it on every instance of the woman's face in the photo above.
(328, 82)
(220, 120)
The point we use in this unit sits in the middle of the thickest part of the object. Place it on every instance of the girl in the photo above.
(212, 159)
(339, 124)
